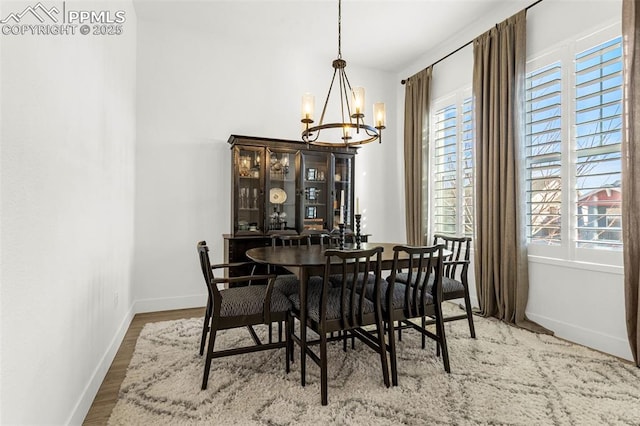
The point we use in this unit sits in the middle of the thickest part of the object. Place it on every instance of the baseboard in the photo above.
(139, 306)
(608, 344)
(89, 393)
(170, 303)
(613, 345)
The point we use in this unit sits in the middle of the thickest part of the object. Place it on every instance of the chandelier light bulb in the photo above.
(357, 95)
(308, 105)
(380, 115)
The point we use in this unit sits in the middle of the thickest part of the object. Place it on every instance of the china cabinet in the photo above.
(283, 185)
(286, 186)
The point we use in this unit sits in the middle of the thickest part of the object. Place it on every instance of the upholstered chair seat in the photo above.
(249, 300)
(334, 300)
(449, 285)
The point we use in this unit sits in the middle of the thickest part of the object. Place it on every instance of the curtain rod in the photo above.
(465, 45)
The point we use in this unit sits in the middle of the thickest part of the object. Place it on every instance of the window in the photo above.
(572, 140)
(452, 166)
(544, 154)
(598, 134)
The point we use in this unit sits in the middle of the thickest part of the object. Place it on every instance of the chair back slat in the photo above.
(460, 247)
(286, 240)
(355, 268)
(207, 273)
(423, 263)
(318, 238)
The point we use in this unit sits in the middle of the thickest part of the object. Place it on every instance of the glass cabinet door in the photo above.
(281, 200)
(343, 175)
(248, 199)
(316, 194)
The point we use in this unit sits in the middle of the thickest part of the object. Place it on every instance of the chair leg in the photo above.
(424, 338)
(279, 331)
(400, 331)
(205, 327)
(383, 352)
(291, 325)
(303, 355)
(323, 369)
(442, 339)
(207, 363)
(392, 350)
(270, 332)
(344, 340)
(467, 302)
(287, 344)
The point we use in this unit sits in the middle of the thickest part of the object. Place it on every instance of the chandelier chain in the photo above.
(339, 29)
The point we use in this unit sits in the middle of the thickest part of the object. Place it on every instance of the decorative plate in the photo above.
(277, 196)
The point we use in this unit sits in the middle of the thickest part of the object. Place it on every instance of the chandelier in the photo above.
(352, 130)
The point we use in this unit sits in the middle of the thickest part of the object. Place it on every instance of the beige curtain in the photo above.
(501, 263)
(416, 126)
(630, 173)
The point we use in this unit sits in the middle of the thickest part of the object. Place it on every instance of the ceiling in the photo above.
(386, 35)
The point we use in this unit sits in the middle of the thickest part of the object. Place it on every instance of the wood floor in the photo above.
(108, 393)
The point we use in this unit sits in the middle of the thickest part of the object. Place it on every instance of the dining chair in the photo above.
(343, 309)
(403, 302)
(288, 282)
(239, 307)
(209, 308)
(321, 238)
(333, 239)
(455, 281)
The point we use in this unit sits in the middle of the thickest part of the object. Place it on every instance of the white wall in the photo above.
(67, 185)
(579, 301)
(194, 90)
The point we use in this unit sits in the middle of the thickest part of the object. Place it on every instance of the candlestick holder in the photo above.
(341, 240)
(358, 236)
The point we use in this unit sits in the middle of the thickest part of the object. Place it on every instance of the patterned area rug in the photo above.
(505, 376)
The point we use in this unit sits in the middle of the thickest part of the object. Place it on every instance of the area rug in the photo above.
(505, 376)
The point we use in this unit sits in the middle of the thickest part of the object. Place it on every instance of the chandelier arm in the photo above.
(326, 101)
(369, 132)
(309, 132)
(342, 99)
(347, 92)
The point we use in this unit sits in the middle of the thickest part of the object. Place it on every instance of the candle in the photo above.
(358, 99)
(357, 205)
(308, 101)
(341, 220)
(380, 115)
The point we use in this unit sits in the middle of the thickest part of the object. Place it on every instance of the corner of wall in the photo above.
(88, 394)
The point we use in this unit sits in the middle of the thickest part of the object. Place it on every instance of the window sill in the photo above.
(576, 264)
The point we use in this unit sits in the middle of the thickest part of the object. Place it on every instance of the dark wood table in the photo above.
(306, 261)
